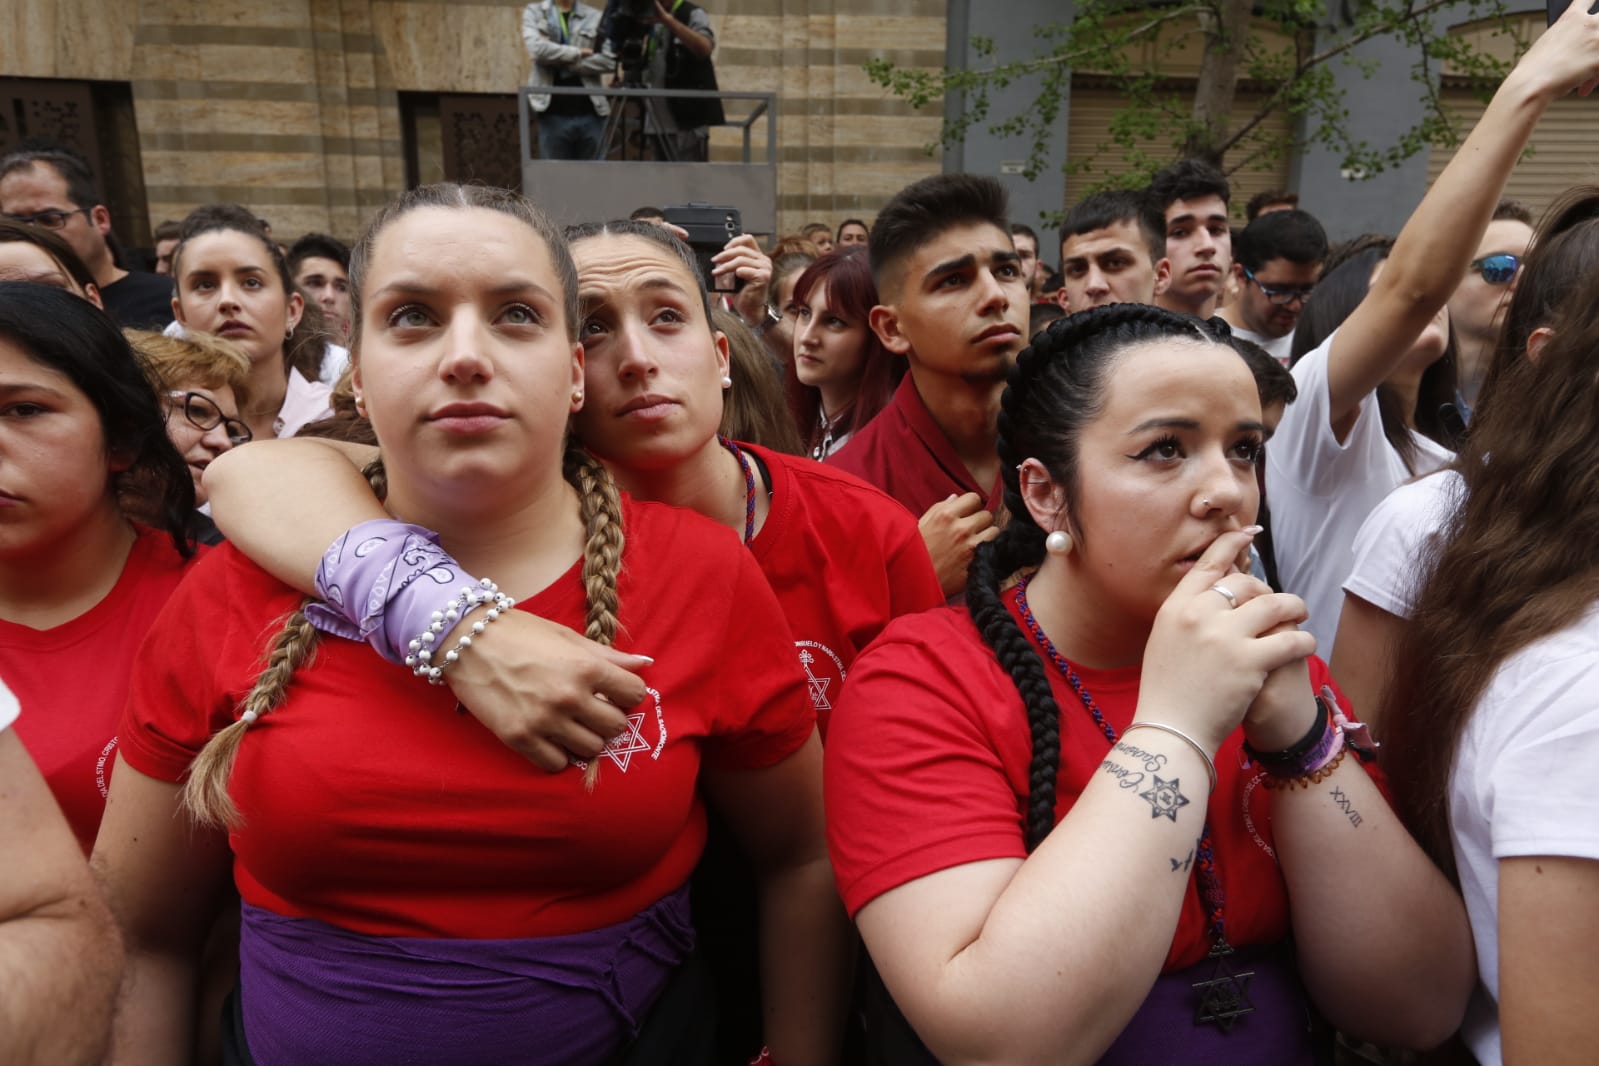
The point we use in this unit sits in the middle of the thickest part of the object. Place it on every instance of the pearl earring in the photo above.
(727, 382)
(1058, 543)
(577, 396)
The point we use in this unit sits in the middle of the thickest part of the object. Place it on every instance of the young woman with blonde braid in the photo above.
(413, 889)
(1108, 813)
(841, 556)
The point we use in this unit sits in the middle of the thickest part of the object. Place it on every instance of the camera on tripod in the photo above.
(630, 23)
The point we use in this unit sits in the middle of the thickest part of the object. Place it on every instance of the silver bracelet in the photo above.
(1210, 764)
(423, 649)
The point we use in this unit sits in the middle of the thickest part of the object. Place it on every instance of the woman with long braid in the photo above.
(1049, 827)
(413, 889)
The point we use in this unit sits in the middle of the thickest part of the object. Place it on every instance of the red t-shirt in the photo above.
(72, 680)
(903, 452)
(928, 762)
(371, 804)
(844, 559)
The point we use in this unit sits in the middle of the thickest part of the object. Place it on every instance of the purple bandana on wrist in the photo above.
(380, 582)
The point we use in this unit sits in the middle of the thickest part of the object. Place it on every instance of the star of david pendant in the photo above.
(1225, 997)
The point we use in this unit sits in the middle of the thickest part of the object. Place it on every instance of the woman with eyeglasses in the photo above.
(204, 381)
(1369, 414)
(83, 445)
(234, 282)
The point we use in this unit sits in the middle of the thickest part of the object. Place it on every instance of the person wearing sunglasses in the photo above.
(1277, 260)
(52, 189)
(1478, 305)
(202, 381)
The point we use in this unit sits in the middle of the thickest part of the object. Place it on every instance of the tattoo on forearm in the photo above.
(1183, 864)
(1165, 797)
(1153, 761)
(1348, 807)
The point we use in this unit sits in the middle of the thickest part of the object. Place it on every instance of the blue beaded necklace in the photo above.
(749, 485)
(1225, 997)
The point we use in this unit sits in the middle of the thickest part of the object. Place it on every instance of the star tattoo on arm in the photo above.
(1164, 798)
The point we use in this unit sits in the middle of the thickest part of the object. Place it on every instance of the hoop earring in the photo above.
(1058, 543)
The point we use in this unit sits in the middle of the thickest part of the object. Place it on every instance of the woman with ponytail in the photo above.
(233, 281)
(415, 890)
(1114, 810)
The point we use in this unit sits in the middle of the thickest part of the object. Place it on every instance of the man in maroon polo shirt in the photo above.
(954, 304)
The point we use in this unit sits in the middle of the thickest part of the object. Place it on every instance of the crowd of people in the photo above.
(483, 642)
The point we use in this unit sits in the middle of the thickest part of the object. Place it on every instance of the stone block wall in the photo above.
(292, 108)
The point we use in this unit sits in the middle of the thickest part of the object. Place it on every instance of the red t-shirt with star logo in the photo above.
(371, 804)
(927, 769)
(844, 559)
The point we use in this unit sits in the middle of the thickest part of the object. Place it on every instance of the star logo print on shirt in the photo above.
(621, 749)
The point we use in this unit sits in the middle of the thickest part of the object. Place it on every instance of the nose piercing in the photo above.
(1206, 501)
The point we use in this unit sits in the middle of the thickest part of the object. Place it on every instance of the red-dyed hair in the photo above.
(851, 294)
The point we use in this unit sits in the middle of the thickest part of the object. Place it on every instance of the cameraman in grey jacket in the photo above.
(562, 38)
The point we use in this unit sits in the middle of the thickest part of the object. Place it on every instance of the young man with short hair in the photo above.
(954, 304)
(166, 242)
(1112, 250)
(320, 265)
(1277, 260)
(52, 187)
(1026, 242)
(852, 232)
(1192, 198)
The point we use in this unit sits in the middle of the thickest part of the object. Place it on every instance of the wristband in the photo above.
(381, 582)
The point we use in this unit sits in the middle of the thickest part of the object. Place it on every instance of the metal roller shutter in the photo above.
(1091, 111)
(1562, 148)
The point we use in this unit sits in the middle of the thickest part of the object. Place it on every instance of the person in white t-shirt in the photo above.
(1492, 727)
(1392, 547)
(60, 959)
(1277, 260)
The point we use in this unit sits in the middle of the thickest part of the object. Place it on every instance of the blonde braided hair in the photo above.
(205, 793)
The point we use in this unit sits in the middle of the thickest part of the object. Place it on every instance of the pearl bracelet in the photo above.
(421, 648)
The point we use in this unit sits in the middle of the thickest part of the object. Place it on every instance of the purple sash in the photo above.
(1276, 1032)
(314, 994)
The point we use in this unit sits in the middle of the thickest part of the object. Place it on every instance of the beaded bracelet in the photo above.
(421, 648)
(1276, 783)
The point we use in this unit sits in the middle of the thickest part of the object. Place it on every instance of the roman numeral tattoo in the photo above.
(1347, 807)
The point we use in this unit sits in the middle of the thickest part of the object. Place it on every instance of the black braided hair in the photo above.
(1056, 388)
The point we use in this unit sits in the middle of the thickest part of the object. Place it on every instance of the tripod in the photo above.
(654, 121)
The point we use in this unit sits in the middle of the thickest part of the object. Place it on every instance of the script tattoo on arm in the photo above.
(1344, 804)
(1183, 864)
(1165, 798)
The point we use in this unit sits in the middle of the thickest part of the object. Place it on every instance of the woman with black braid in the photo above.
(1049, 827)
(413, 889)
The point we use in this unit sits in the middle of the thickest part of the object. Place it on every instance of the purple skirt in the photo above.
(314, 994)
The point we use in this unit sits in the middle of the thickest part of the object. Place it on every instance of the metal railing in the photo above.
(583, 190)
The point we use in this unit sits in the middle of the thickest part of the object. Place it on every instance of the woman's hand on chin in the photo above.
(1210, 652)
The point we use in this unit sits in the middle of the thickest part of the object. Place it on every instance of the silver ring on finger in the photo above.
(1226, 594)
